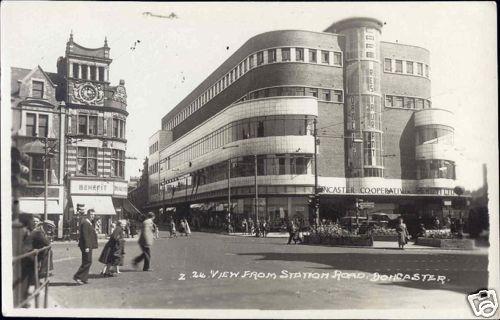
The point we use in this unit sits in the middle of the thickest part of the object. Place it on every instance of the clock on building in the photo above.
(88, 93)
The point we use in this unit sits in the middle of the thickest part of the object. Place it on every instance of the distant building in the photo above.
(253, 119)
(138, 195)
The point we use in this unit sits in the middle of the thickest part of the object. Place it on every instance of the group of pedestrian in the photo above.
(35, 234)
(184, 228)
(259, 228)
(112, 255)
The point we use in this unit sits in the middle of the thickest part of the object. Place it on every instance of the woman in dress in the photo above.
(187, 229)
(112, 253)
(402, 234)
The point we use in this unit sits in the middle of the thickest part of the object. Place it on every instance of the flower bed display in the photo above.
(384, 234)
(334, 235)
(439, 234)
(464, 244)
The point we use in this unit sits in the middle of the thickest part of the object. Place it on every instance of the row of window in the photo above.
(153, 148)
(87, 162)
(268, 126)
(256, 59)
(89, 125)
(88, 72)
(435, 133)
(405, 66)
(435, 169)
(330, 95)
(37, 125)
(154, 168)
(274, 164)
(406, 102)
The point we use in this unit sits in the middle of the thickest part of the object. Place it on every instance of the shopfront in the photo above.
(107, 198)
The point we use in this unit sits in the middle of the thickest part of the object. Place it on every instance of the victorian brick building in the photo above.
(83, 118)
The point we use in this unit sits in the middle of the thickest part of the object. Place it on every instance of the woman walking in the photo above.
(402, 234)
(187, 229)
(173, 232)
(112, 253)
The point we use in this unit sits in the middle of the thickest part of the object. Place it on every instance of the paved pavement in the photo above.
(219, 271)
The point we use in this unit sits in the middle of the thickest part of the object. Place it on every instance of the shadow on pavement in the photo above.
(464, 273)
(63, 284)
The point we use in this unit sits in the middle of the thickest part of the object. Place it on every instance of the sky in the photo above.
(175, 55)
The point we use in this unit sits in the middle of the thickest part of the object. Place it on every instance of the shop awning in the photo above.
(35, 206)
(103, 205)
(129, 207)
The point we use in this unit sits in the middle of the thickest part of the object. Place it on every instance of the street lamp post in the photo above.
(46, 182)
(256, 193)
(316, 206)
(229, 207)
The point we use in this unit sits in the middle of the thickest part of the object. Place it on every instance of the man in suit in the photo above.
(86, 242)
(145, 242)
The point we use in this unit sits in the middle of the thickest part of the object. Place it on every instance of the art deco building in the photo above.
(380, 139)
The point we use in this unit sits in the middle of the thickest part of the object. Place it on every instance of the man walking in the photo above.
(145, 242)
(292, 229)
(86, 242)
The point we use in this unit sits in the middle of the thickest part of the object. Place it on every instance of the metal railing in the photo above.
(19, 277)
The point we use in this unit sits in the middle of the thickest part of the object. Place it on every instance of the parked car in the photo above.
(350, 221)
(383, 219)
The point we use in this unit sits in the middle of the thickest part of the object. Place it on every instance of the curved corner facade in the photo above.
(245, 135)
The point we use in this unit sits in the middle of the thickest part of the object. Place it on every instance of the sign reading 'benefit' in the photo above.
(113, 188)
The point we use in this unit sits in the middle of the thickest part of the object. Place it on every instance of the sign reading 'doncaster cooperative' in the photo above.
(386, 191)
(112, 188)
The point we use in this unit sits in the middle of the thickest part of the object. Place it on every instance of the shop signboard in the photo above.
(91, 187)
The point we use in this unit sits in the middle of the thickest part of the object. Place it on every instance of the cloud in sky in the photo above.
(177, 45)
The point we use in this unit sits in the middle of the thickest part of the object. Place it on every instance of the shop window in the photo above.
(299, 54)
(387, 65)
(37, 89)
(285, 54)
(31, 124)
(312, 56)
